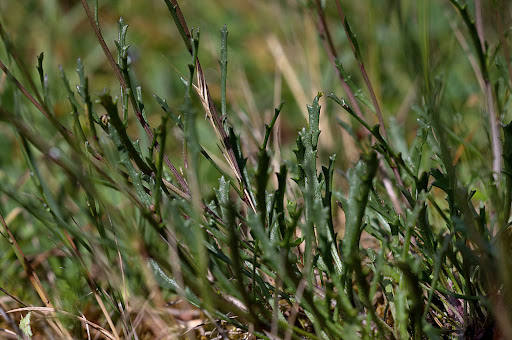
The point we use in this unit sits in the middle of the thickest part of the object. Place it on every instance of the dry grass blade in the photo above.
(494, 119)
(27, 266)
(34, 279)
(208, 105)
(94, 289)
(326, 38)
(17, 331)
(213, 116)
(363, 72)
(289, 72)
(48, 310)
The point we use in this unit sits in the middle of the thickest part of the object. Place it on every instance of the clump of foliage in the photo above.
(275, 246)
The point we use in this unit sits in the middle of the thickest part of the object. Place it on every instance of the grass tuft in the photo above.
(379, 210)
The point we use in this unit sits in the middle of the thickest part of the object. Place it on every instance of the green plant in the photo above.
(259, 248)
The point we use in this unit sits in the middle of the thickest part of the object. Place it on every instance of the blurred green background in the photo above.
(274, 54)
